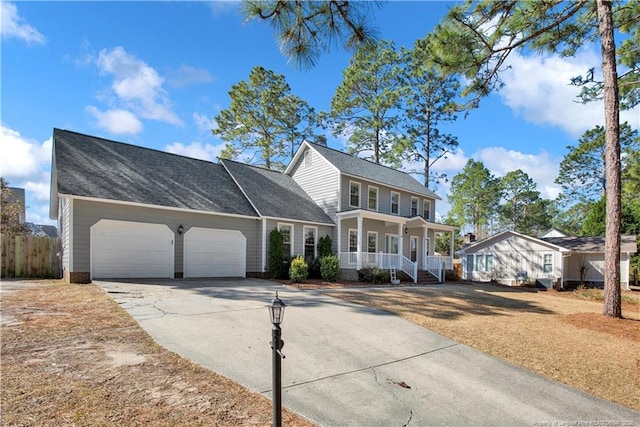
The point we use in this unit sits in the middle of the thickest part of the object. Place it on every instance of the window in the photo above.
(414, 206)
(413, 248)
(372, 241)
(395, 203)
(353, 240)
(469, 262)
(392, 243)
(354, 194)
(480, 263)
(489, 261)
(373, 198)
(309, 242)
(426, 209)
(287, 237)
(307, 158)
(547, 264)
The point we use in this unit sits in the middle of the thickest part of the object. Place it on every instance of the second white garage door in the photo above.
(211, 252)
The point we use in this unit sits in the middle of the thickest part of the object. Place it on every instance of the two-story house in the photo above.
(130, 212)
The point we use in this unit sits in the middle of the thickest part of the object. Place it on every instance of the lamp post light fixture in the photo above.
(276, 312)
(180, 229)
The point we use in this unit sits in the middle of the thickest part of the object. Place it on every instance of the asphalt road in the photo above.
(351, 365)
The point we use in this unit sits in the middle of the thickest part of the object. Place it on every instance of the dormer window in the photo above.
(354, 194)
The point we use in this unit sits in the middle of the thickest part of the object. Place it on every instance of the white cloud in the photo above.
(196, 150)
(542, 168)
(14, 26)
(204, 123)
(117, 121)
(538, 88)
(136, 87)
(26, 163)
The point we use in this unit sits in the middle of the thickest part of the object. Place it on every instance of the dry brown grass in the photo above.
(565, 339)
(71, 356)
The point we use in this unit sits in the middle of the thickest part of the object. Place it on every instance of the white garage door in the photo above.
(124, 249)
(210, 252)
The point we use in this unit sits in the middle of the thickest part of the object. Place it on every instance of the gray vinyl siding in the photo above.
(298, 234)
(64, 219)
(384, 197)
(320, 180)
(87, 213)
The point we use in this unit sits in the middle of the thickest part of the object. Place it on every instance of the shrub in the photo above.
(276, 267)
(298, 270)
(324, 246)
(330, 267)
(373, 275)
(314, 268)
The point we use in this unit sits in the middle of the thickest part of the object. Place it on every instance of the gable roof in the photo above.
(592, 243)
(384, 175)
(94, 167)
(275, 194)
(506, 234)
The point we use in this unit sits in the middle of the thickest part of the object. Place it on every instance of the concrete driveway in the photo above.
(351, 365)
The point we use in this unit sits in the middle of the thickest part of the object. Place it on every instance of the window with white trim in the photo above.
(372, 203)
(353, 240)
(395, 203)
(414, 206)
(426, 209)
(309, 234)
(287, 237)
(480, 264)
(307, 158)
(354, 194)
(372, 241)
(488, 259)
(547, 263)
(413, 248)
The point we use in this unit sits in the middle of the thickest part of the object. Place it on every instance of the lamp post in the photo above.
(276, 312)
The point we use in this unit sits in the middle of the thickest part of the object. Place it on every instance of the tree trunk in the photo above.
(427, 150)
(612, 298)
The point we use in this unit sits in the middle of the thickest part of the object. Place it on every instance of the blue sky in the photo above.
(155, 74)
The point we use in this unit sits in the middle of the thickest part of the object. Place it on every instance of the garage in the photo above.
(125, 249)
(210, 252)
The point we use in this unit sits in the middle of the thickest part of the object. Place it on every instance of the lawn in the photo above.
(72, 356)
(560, 335)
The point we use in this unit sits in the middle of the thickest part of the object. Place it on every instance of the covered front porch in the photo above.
(369, 239)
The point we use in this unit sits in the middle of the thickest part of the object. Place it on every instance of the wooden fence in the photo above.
(29, 256)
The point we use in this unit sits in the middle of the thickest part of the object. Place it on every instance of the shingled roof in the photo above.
(275, 194)
(592, 243)
(100, 168)
(362, 168)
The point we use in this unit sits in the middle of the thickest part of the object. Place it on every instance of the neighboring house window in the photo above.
(395, 203)
(547, 264)
(392, 243)
(307, 158)
(426, 209)
(372, 241)
(469, 262)
(480, 265)
(489, 262)
(353, 240)
(414, 206)
(373, 198)
(287, 237)
(310, 242)
(354, 194)
(413, 248)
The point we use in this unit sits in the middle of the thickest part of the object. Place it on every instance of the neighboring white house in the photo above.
(509, 257)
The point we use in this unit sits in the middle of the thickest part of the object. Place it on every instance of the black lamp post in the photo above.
(276, 312)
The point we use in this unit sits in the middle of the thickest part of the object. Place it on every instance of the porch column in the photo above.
(359, 255)
(400, 242)
(424, 247)
(451, 239)
(338, 239)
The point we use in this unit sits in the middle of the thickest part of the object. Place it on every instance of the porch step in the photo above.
(426, 277)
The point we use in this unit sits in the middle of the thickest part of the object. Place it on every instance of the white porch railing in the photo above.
(379, 260)
(437, 265)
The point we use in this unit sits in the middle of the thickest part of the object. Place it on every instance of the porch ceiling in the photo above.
(416, 221)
